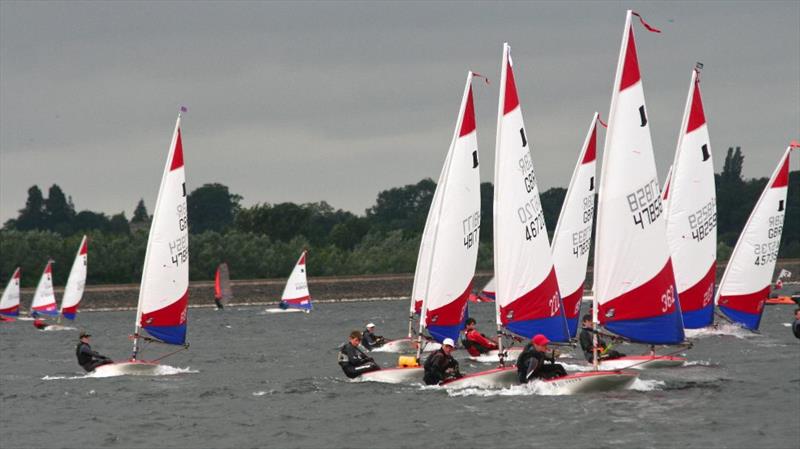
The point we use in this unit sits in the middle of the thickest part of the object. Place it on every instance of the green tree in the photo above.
(552, 199)
(59, 212)
(140, 213)
(90, 221)
(404, 208)
(32, 216)
(119, 224)
(211, 207)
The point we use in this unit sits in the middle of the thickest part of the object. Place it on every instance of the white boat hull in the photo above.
(127, 369)
(512, 354)
(279, 310)
(393, 375)
(493, 378)
(406, 345)
(592, 382)
(642, 362)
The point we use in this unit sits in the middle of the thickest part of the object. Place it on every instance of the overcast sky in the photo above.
(336, 101)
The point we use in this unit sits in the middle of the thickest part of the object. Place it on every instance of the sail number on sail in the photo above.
(179, 250)
(532, 218)
(470, 227)
(581, 239)
(703, 221)
(645, 203)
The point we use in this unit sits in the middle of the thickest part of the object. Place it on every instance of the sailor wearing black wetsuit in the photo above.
(440, 365)
(531, 361)
(369, 340)
(87, 358)
(796, 324)
(587, 343)
(353, 358)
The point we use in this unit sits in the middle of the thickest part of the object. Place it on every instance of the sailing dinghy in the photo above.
(634, 284)
(691, 212)
(44, 299)
(745, 284)
(296, 297)
(572, 238)
(449, 249)
(528, 301)
(9, 302)
(486, 294)
(164, 291)
(222, 286)
(73, 291)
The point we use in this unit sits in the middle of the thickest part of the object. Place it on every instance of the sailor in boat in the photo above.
(88, 359)
(531, 362)
(40, 324)
(604, 351)
(218, 303)
(440, 365)
(369, 340)
(475, 342)
(796, 324)
(353, 357)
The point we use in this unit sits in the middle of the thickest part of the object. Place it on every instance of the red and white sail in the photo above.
(9, 302)
(691, 206)
(164, 292)
(633, 278)
(44, 299)
(455, 230)
(745, 285)
(573, 235)
(73, 292)
(527, 295)
(295, 293)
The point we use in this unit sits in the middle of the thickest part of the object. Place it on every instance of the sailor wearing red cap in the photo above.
(531, 362)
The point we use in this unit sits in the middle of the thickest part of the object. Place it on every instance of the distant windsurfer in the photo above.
(88, 359)
(369, 340)
(218, 303)
(586, 339)
(796, 324)
(440, 365)
(475, 342)
(353, 357)
(531, 362)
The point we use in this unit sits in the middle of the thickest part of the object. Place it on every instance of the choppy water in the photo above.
(253, 380)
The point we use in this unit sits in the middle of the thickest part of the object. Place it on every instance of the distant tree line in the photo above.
(264, 240)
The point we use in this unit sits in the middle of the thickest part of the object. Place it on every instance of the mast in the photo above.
(500, 105)
(150, 237)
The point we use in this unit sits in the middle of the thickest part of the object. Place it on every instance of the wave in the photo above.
(160, 370)
(725, 329)
(538, 388)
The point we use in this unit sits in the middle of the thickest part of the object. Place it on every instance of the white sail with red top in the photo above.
(527, 296)
(691, 205)
(9, 302)
(44, 299)
(295, 293)
(73, 292)
(455, 227)
(744, 287)
(633, 278)
(573, 235)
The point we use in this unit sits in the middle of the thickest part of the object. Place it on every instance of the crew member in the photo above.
(586, 339)
(440, 365)
(369, 340)
(353, 357)
(796, 324)
(531, 362)
(475, 342)
(87, 358)
(40, 324)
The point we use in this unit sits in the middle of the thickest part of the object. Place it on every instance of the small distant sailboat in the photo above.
(690, 201)
(164, 292)
(9, 302)
(447, 258)
(76, 283)
(635, 292)
(296, 297)
(223, 292)
(44, 299)
(572, 238)
(745, 285)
